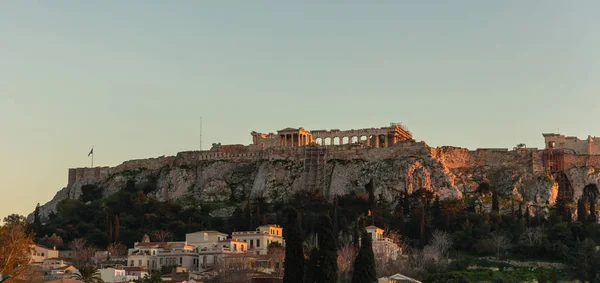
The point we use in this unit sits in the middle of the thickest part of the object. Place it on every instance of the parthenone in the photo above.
(371, 137)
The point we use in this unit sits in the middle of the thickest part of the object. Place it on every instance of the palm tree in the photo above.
(88, 274)
(591, 194)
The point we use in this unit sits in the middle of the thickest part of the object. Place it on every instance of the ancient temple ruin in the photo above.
(370, 137)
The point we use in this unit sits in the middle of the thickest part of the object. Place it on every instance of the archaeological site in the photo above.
(276, 165)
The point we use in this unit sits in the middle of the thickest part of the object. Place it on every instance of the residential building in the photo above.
(383, 247)
(40, 253)
(209, 256)
(154, 255)
(135, 272)
(204, 239)
(259, 240)
(113, 275)
(67, 271)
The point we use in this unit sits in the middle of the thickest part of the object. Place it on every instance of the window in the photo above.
(242, 248)
(161, 261)
(131, 263)
(234, 247)
(148, 263)
(139, 262)
(42, 254)
(204, 259)
(180, 260)
(277, 232)
(251, 243)
(258, 243)
(153, 252)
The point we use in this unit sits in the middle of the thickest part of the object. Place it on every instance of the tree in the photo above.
(88, 274)
(312, 266)
(117, 228)
(161, 235)
(442, 242)
(346, 256)
(15, 220)
(117, 250)
(581, 211)
(501, 242)
(153, 277)
(15, 249)
(364, 264)
(591, 194)
(294, 254)
(327, 272)
(53, 241)
(495, 202)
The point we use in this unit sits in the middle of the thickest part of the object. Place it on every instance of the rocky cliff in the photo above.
(277, 173)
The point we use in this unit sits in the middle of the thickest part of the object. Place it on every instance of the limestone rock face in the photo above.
(220, 181)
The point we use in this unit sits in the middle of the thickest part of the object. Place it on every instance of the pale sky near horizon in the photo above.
(133, 78)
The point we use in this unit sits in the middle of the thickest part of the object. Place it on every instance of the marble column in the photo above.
(376, 141)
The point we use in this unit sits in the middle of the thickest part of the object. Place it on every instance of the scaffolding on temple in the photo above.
(314, 167)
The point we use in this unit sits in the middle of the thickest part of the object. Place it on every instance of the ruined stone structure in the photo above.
(371, 137)
(556, 141)
(275, 166)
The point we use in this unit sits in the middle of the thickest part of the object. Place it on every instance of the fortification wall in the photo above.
(577, 160)
(453, 157)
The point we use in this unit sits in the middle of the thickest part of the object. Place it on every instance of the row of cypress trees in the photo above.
(321, 266)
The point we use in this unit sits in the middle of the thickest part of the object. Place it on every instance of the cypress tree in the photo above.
(37, 221)
(581, 211)
(327, 272)
(364, 264)
(495, 202)
(117, 228)
(294, 255)
(312, 266)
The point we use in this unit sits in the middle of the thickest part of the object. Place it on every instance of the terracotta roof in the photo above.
(134, 268)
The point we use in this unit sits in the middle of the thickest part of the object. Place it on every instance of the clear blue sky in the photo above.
(134, 77)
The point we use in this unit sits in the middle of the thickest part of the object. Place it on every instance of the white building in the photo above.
(209, 256)
(204, 239)
(40, 253)
(382, 246)
(259, 240)
(113, 275)
(154, 255)
(134, 273)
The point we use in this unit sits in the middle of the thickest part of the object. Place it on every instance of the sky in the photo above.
(134, 78)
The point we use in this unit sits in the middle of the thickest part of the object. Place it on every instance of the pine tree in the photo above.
(294, 255)
(327, 272)
(364, 264)
(312, 266)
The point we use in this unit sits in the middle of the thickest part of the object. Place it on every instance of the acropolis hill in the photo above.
(274, 166)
